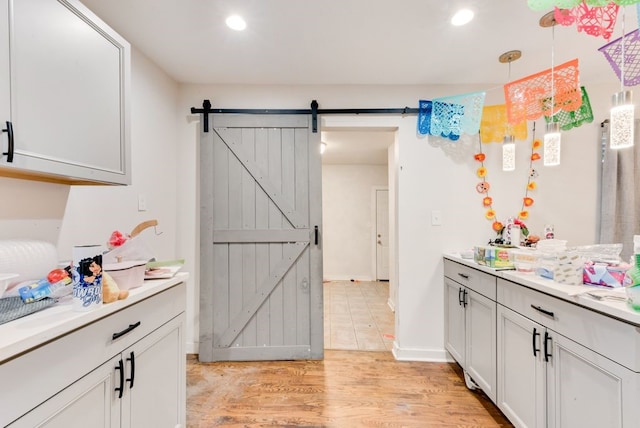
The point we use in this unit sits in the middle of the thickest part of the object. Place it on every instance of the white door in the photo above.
(587, 389)
(261, 260)
(480, 351)
(521, 370)
(382, 235)
(454, 334)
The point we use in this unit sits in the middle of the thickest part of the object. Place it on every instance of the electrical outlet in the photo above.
(142, 203)
(436, 218)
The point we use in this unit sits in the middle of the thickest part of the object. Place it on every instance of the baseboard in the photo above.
(191, 347)
(418, 354)
(349, 278)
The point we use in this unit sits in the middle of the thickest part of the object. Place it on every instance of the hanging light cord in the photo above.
(553, 42)
(622, 64)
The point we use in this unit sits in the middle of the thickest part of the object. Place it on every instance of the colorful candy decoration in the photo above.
(596, 21)
(530, 98)
(483, 187)
(613, 53)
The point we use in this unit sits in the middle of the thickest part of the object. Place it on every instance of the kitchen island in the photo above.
(547, 354)
(121, 365)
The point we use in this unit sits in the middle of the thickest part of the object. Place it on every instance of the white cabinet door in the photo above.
(69, 91)
(586, 389)
(5, 92)
(454, 320)
(88, 403)
(521, 369)
(480, 355)
(155, 384)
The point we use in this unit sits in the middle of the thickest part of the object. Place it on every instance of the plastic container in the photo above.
(524, 260)
(127, 275)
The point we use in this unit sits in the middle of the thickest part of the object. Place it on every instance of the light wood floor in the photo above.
(357, 316)
(348, 389)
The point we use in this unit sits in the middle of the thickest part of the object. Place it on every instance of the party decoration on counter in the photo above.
(568, 4)
(531, 97)
(614, 52)
(493, 125)
(457, 114)
(424, 117)
(484, 186)
(574, 119)
(595, 21)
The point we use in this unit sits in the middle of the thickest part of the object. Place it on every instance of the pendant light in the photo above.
(509, 141)
(552, 138)
(622, 109)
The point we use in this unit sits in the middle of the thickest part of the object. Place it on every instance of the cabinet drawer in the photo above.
(605, 335)
(44, 371)
(474, 279)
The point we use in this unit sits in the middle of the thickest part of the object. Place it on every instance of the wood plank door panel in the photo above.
(261, 283)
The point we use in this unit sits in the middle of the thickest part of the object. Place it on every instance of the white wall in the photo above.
(71, 215)
(348, 225)
(432, 174)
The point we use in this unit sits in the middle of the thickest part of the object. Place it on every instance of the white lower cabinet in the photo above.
(546, 379)
(470, 333)
(142, 385)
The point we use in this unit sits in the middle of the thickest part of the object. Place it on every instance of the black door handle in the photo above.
(541, 310)
(547, 354)
(120, 389)
(460, 296)
(315, 232)
(464, 298)
(132, 359)
(533, 342)
(10, 147)
(125, 331)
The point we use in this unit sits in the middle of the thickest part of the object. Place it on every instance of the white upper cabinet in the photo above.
(69, 90)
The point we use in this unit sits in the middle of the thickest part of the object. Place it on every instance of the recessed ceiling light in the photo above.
(235, 22)
(463, 16)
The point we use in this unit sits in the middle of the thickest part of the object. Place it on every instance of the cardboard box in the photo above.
(495, 257)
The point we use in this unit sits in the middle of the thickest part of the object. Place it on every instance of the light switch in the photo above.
(142, 203)
(436, 218)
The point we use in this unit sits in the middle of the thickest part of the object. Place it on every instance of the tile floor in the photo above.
(357, 316)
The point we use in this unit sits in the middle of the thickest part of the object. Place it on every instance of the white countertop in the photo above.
(28, 332)
(571, 293)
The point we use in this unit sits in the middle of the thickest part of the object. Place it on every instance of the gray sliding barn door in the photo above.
(260, 265)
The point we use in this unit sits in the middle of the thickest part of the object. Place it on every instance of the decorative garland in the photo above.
(527, 201)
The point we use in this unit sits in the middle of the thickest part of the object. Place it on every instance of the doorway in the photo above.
(355, 171)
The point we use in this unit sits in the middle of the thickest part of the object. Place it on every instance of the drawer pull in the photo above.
(132, 359)
(547, 354)
(464, 298)
(125, 331)
(460, 296)
(463, 275)
(544, 311)
(120, 389)
(533, 340)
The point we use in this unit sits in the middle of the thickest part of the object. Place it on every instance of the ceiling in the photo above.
(352, 42)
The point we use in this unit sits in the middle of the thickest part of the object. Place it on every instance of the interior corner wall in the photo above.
(347, 223)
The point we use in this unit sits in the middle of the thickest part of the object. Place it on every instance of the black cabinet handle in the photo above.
(463, 275)
(533, 342)
(547, 354)
(120, 389)
(9, 152)
(315, 233)
(460, 296)
(541, 310)
(464, 298)
(125, 331)
(132, 360)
